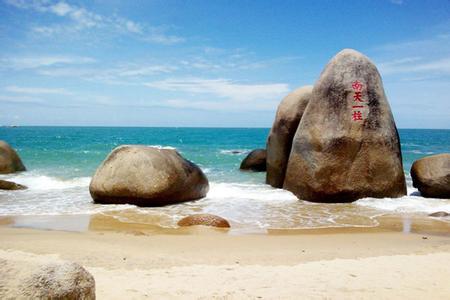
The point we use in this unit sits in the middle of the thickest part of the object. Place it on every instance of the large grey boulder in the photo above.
(346, 146)
(147, 176)
(37, 280)
(431, 176)
(288, 116)
(10, 161)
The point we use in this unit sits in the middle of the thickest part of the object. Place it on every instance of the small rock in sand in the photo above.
(204, 219)
(439, 214)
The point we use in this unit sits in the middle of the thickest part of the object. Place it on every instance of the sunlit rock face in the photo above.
(346, 146)
(279, 143)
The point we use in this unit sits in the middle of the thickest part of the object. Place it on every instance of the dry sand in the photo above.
(207, 264)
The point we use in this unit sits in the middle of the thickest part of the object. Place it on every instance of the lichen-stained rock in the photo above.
(431, 176)
(255, 161)
(346, 146)
(147, 176)
(35, 280)
(10, 161)
(279, 142)
(205, 220)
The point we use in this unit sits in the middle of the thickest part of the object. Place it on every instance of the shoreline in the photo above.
(207, 263)
(113, 221)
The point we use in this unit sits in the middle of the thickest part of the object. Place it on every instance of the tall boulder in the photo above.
(346, 146)
(279, 143)
(431, 175)
(10, 161)
(147, 176)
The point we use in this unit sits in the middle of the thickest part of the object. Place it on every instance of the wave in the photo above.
(234, 151)
(410, 204)
(247, 206)
(43, 182)
(162, 147)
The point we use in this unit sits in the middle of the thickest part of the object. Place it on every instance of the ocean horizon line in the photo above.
(186, 127)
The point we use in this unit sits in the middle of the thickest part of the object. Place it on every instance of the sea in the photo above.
(61, 160)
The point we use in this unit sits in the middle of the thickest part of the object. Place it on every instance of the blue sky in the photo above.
(211, 63)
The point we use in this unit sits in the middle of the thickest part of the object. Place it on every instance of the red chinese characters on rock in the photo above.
(358, 101)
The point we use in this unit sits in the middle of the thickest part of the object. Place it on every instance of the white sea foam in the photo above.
(410, 204)
(162, 147)
(42, 182)
(234, 151)
(420, 152)
(246, 206)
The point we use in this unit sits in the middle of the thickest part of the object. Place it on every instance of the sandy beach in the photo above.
(202, 263)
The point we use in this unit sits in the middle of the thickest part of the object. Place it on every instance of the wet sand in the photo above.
(135, 261)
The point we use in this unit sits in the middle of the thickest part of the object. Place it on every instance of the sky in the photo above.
(211, 63)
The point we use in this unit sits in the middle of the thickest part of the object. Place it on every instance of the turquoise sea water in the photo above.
(61, 160)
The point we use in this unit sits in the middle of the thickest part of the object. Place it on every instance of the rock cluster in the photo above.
(338, 141)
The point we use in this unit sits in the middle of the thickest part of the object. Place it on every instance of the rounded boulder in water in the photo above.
(147, 176)
(10, 161)
(347, 145)
(279, 142)
(255, 161)
(431, 176)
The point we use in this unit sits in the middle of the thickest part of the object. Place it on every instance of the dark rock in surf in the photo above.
(9, 185)
(255, 161)
(439, 214)
(10, 161)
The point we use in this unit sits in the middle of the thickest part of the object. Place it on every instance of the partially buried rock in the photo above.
(255, 161)
(57, 280)
(439, 214)
(10, 161)
(289, 113)
(347, 145)
(204, 219)
(431, 175)
(147, 176)
(9, 185)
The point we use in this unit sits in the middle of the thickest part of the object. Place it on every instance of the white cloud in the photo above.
(36, 90)
(31, 62)
(20, 99)
(128, 74)
(223, 88)
(416, 65)
(82, 18)
(416, 58)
